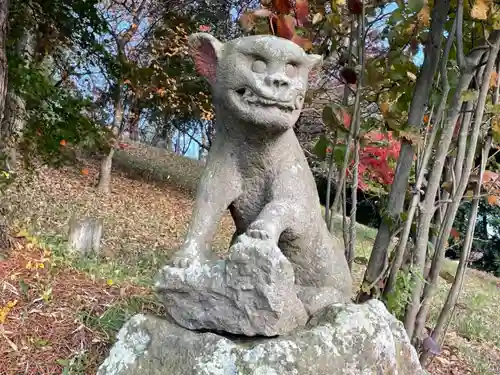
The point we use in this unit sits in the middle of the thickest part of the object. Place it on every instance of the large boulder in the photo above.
(252, 292)
(340, 339)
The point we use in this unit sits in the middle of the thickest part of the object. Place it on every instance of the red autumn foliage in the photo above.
(301, 11)
(284, 16)
(346, 119)
(285, 26)
(303, 42)
(375, 159)
(282, 6)
(455, 233)
(354, 6)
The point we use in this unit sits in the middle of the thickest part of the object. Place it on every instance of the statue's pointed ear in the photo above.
(315, 61)
(205, 50)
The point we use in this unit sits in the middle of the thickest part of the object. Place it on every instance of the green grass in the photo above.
(476, 314)
(138, 269)
(115, 316)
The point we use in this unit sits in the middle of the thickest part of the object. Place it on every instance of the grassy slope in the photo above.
(144, 222)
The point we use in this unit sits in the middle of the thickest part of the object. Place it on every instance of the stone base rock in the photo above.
(251, 293)
(339, 340)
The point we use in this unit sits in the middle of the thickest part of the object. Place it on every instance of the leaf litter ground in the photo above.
(63, 317)
(50, 314)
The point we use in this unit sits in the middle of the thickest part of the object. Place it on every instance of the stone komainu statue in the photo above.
(284, 274)
(256, 166)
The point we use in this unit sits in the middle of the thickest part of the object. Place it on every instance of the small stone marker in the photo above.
(85, 235)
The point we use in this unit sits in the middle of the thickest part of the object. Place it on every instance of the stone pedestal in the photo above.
(344, 339)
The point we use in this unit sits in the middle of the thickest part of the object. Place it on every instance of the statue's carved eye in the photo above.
(290, 70)
(259, 66)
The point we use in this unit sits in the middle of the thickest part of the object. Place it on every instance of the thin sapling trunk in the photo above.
(438, 259)
(416, 113)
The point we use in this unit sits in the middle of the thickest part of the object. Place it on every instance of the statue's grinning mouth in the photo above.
(253, 99)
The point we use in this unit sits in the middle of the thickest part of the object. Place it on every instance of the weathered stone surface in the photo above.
(252, 292)
(340, 340)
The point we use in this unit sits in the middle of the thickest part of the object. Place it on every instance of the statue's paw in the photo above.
(184, 259)
(259, 234)
(181, 262)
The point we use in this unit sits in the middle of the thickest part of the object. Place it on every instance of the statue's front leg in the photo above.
(271, 222)
(212, 199)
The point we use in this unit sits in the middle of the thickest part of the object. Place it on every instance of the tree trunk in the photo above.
(456, 287)
(104, 185)
(4, 19)
(357, 126)
(14, 119)
(427, 210)
(426, 156)
(416, 113)
(462, 140)
(403, 240)
(133, 127)
(340, 181)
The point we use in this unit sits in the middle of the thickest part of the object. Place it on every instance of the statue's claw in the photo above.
(185, 259)
(181, 262)
(260, 230)
(259, 234)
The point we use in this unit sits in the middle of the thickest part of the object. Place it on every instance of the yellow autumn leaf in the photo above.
(23, 233)
(424, 15)
(411, 76)
(4, 311)
(317, 18)
(480, 9)
(495, 16)
(384, 107)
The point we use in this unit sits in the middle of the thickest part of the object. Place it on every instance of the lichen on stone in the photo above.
(132, 342)
(219, 361)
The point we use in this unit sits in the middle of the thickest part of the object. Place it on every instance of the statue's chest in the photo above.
(256, 192)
